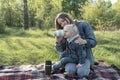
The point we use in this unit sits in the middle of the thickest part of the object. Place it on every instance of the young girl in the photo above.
(74, 53)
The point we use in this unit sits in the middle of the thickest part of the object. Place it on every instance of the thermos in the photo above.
(48, 67)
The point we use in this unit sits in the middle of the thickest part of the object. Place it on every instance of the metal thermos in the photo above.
(48, 67)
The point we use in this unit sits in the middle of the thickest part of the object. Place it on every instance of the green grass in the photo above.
(19, 47)
(27, 47)
(108, 47)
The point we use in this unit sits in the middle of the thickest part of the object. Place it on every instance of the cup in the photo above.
(59, 33)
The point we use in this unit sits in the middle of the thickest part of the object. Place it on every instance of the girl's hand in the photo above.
(59, 38)
(81, 41)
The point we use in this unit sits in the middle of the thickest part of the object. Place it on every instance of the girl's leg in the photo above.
(62, 63)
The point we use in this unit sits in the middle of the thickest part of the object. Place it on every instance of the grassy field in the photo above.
(108, 47)
(19, 47)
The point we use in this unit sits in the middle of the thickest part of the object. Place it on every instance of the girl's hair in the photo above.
(73, 27)
(64, 16)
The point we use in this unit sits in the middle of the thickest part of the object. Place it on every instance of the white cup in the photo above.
(59, 33)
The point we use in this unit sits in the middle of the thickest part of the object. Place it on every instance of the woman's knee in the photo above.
(70, 68)
(83, 73)
(84, 70)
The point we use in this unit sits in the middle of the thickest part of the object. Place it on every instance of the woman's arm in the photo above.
(89, 37)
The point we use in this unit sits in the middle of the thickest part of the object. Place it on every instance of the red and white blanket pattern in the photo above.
(102, 71)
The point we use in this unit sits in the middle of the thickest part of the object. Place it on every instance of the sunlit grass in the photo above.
(19, 47)
(108, 47)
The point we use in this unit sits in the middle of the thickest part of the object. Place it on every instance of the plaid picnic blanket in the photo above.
(102, 71)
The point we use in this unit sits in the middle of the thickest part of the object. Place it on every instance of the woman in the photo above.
(87, 38)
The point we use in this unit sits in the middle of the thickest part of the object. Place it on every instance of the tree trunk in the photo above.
(26, 20)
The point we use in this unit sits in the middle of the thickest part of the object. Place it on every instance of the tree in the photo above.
(116, 10)
(26, 22)
(12, 12)
(73, 7)
(99, 14)
(46, 11)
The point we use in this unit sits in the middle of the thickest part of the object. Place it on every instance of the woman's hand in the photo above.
(78, 66)
(81, 41)
(59, 38)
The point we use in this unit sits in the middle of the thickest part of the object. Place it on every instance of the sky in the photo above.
(113, 1)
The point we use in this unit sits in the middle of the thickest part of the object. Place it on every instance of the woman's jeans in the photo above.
(84, 70)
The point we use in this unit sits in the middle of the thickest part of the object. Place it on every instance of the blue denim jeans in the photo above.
(84, 70)
(63, 62)
(70, 68)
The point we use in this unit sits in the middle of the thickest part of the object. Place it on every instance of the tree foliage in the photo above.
(116, 11)
(73, 7)
(101, 14)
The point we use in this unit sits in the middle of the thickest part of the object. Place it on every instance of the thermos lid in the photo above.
(48, 62)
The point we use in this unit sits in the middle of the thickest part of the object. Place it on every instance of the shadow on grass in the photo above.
(108, 41)
(18, 32)
(112, 49)
(10, 44)
(36, 45)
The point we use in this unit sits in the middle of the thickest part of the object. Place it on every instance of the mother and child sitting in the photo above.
(75, 46)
